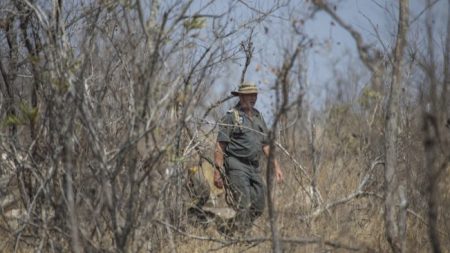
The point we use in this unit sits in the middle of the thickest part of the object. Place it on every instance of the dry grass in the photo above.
(354, 225)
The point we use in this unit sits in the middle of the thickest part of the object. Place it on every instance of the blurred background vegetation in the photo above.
(108, 109)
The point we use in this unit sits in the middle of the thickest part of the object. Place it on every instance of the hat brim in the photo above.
(236, 93)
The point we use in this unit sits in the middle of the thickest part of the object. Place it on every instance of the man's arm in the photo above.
(218, 162)
(278, 173)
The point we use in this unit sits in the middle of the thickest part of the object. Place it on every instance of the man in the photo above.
(241, 140)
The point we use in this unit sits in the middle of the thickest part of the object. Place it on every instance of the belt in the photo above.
(254, 164)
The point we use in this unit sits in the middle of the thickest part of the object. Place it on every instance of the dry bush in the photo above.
(106, 105)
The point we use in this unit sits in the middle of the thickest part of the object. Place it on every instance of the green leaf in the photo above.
(12, 120)
(194, 23)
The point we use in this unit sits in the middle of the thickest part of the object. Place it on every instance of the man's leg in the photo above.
(258, 196)
(240, 187)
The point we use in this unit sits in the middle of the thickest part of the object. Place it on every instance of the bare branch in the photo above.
(248, 49)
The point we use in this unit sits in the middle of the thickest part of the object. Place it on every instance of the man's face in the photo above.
(248, 101)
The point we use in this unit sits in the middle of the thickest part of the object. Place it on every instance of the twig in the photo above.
(248, 50)
(293, 240)
(216, 104)
(200, 238)
(421, 219)
(361, 46)
(359, 192)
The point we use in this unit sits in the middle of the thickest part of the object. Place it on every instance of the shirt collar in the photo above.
(239, 108)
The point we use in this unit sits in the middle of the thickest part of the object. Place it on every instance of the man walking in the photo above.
(241, 140)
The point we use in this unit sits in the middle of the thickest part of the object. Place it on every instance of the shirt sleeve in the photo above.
(225, 127)
(265, 131)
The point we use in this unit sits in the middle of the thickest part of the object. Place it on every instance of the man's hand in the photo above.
(279, 174)
(218, 182)
(218, 163)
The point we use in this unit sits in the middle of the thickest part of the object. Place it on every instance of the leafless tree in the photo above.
(105, 92)
(104, 104)
(396, 200)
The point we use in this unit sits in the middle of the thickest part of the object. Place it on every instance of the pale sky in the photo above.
(333, 52)
(335, 48)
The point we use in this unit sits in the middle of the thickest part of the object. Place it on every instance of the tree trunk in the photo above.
(395, 182)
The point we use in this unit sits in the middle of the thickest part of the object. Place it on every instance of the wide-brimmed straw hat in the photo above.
(245, 88)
